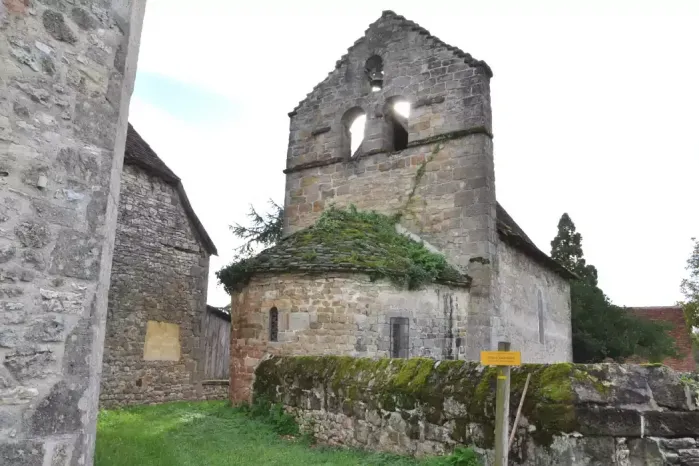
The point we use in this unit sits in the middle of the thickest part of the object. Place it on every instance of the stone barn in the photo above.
(154, 346)
(401, 126)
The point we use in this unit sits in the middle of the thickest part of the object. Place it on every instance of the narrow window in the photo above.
(353, 124)
(374, 72)
(273, 324)
(541, 316)
(399, 337)
(397, 113)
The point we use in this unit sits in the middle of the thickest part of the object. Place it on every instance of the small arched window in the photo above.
(273, 324)
(374, 71)
(396, 113)
(353, 125)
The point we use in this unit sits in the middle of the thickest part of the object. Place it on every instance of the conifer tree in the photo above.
(602, 330)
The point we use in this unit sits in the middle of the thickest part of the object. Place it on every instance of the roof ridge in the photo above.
(467, 57)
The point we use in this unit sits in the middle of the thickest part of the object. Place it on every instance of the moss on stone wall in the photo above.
(431, 387)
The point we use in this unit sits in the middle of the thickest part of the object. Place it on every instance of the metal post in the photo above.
(502, 410)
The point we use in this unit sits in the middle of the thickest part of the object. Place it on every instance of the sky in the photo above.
(595, 113)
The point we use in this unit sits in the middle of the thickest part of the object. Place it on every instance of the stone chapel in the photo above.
(433, 170)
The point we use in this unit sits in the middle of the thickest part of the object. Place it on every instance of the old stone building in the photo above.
(431, 170)
(154, 348)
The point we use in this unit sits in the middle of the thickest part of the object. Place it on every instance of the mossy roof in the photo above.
(360, 242)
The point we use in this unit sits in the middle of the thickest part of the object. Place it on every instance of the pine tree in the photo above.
(566, 248)
(602, 330)
(265, 230)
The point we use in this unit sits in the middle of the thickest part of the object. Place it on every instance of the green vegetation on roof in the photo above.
(348, 240)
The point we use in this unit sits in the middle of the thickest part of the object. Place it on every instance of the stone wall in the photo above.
(534, 308)
(154, 349)
(341, 314)
(573, 414)
(66, 76)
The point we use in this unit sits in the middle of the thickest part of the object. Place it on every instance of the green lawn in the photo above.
(212, 434)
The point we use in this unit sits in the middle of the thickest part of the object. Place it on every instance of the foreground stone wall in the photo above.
(154, 350)
(573, 414)
(340, 314)
(66, 76)
(534, 307)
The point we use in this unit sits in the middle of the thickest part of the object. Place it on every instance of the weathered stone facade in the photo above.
(442, 184)
(534, 308)
(437, 179)
(341, 313)
(159, 283)
(66, 76)
(595, 415)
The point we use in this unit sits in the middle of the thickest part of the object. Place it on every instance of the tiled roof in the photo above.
(466, 57)
(513, 235)
(139, 153)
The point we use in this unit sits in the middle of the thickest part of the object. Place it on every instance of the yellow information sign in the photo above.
(501, 358)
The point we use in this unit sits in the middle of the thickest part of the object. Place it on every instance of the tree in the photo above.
(566, 248)
(265, 230)
(602, 330)
(690, 290)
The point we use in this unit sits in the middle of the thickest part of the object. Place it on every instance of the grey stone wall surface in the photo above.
(524, 287)
(573, 415)
(159, 273)
(341, 314)
(66, 77)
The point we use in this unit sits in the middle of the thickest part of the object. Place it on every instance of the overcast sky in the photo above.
(595, 113)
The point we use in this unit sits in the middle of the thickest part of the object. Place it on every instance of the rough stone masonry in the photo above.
(66, 76)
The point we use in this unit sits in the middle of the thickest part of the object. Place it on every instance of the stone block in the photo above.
(299, 321)
(76, 255)
(671, 424)
(30, 363)
(595, 420)
(22, 453)
(58, 413)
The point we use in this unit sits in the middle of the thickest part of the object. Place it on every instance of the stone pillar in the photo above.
(66, 76)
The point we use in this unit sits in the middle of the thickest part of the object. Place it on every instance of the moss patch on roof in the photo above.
(349, 241)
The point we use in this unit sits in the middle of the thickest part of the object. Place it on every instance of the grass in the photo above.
(215, 434)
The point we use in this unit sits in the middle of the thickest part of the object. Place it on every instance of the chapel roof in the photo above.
(139, 153)
(512, 234)
(348, 241)
(412, 26)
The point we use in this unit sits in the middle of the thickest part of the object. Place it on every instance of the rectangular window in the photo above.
(399, 337)
(541, 316)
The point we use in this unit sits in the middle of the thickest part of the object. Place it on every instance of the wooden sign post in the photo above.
(503, 358)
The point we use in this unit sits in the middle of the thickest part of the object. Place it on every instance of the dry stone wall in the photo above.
(159, 274)
(600, 415)
(66, 76)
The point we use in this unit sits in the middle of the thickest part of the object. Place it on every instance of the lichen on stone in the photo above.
(423, 385)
